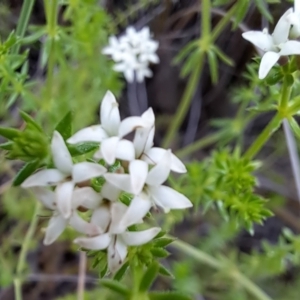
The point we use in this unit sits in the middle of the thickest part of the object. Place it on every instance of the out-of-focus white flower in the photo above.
(65, 176)
(110, 132)
(275, 45)
(147, 185)
(84, 197)
(116, 239)
(133, 52)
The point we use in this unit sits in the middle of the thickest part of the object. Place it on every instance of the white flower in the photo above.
(65, 176)
(84, 197)
(133, 52)
(275, 45)
(147, 185)
(110, 132)
(294, 19)
(116, 239)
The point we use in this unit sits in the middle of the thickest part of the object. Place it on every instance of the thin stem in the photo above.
(204, 142)
(292, 148)
(185, 102)
(223, 22)
(23, 253)
(264, 136)
(23, 22)
(205, 258)
(205, 18)
(81, 276)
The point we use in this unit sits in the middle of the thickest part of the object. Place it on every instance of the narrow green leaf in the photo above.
(168, 296)
(295, 126)
(261, 5)
(25, 172)
(115, 286)
(159, 252)
(28, 119)
(6, 146)
(241, 12)
(120, 274)
(149, 277)
(164, 271)
(163, 242)
(213, 66)
(64, 127)
(223, 57)
(185, 51)
(9, 133)
(82, 148)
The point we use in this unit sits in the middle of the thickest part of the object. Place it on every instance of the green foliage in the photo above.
(225, 181)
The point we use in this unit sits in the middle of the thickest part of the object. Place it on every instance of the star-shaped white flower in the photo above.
(147, 185)
(110, 132)
(116, 239)
(275, 45)
(133, 52)
(65, 176)
(82, 198)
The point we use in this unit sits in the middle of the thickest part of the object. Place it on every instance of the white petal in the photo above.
(64, 192)
(143, 140)
(129, 75)
(93, 133)
(125, 150)
(86, 197)
(102, 217)
(149, 117)
(116, 254)
(130, 124)
(61, 156)
(259, 39)
(282, 28)
(117, 211)
(267, 62)
(121, 181)
(108, 149)
(83, 226)
(290, 48)
(159, 173)
(44, 178)
(168, 198)
(86, 170)
(46, 196)
(94, 243)
(110, 192)
(138, 171)
(110, 115)
(154, 155)
(56, 226)
(136, 211)
(136, 238)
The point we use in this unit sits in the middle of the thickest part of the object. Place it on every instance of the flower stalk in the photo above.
(23, 253)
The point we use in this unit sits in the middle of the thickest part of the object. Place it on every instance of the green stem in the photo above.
(204, 142)
(23, 253)
(223, 22)
(184, 103)
(285, 96)
(205, 18)
(23, 22)
(264, 136)
(51, 11)
(205, 258)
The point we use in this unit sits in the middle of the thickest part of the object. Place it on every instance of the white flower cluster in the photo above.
(133, 52)
(280, 43)
(142, 171)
